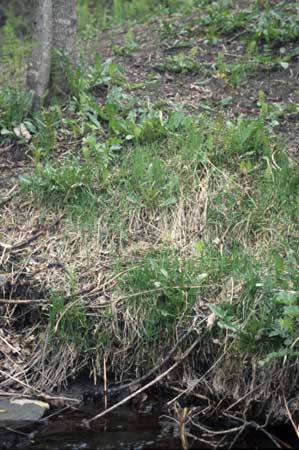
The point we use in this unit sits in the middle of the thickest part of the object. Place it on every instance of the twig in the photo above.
(276, 441)
(9, 197)
(118, 275)
(149, 291)
(218, 432)
(165, 360)
(21, 433)
(232, 444)
(189, 389)
(67, 308)
(23, 302)
(19, 381)
(236, 36)
(203, 441)
(53, 398)
(14, 394)
(181, 420)
(15, 350)
(244, 396)
(296, 428)
(196, 395)
(56, 413)
(105, 379)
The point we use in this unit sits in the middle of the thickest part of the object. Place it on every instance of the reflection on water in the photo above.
(124, 429)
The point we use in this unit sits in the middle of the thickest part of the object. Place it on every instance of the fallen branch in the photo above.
(144, 388)
(162, 363)
(296, 427)
(189, 389)
(24, 302)
(251, 424)
(57, 400)
(17, 380)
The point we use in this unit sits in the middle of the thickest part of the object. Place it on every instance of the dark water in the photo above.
(124, 429)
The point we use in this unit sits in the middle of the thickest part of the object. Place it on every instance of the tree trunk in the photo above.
(54, 39)
(39, 66)
(64, 44)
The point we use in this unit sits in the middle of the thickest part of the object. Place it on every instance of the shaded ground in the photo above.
(207, 88)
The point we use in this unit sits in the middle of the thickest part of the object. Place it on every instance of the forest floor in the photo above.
(162, 199)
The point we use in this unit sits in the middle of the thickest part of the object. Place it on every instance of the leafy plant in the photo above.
(63, 182)
(44, 126)
(84, 78)
(181, 63)
(276, 28)
(147, 179)
(14, 108)
(130, 45)
(162, 288)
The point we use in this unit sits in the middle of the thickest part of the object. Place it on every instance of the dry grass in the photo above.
(232, 383)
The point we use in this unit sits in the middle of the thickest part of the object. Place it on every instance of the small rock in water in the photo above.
(3, 280)
(21, 409)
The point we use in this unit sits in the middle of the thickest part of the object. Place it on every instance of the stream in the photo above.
(125, 428)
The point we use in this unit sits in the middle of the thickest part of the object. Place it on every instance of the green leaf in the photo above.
(228, 326)
(286, 298)
(164, 272)
(275, 355)
(291, 311)
(218, 311)
(169, 201)
(201, 277)
(6, 132)
(284, 64)
(25, 180)
(133, 199)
